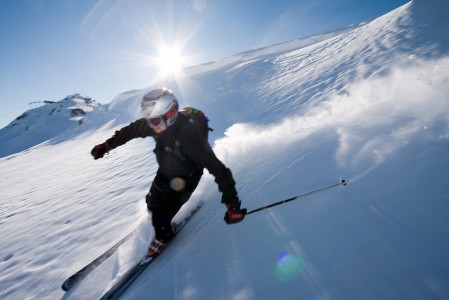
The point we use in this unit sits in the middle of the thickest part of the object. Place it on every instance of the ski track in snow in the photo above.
(368, 105)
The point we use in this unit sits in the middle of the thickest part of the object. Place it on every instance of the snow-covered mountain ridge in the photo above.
(45, 122)
(369, 105)
(270, 51)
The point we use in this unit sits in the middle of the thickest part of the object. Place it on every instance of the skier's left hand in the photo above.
(234, 214)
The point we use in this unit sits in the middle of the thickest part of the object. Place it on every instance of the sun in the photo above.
(170, 60)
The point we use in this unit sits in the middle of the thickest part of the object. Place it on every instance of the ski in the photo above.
(90, 267)
(131, 275)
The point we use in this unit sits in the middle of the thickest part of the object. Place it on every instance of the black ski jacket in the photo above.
(182, 150)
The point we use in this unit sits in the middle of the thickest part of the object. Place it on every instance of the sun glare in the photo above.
(170, 60)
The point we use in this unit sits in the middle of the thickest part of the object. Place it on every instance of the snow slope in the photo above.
(370, 105)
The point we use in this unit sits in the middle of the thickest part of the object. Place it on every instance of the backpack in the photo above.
(198, 118)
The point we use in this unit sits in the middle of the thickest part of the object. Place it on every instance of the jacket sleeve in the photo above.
(200, 152)
(134, 130)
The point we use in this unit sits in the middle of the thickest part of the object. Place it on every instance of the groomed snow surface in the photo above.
(369, 105)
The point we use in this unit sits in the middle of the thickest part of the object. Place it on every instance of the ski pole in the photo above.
(342, 182)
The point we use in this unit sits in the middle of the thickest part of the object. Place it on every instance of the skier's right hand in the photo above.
(234, 214)
(99, 151)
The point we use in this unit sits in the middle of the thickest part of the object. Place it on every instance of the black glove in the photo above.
(234, 214)
(99, 151)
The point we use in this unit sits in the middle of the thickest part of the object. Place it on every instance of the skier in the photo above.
(182, 152)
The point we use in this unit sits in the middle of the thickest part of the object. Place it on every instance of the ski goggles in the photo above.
(165, 119)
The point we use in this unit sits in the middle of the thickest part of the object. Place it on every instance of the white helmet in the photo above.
(160, 107)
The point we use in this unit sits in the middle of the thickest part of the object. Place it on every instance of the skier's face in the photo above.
(159, 129)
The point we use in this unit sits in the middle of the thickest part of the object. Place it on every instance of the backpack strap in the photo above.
(196, 118)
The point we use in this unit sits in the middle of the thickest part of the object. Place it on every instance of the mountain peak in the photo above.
(39, 124)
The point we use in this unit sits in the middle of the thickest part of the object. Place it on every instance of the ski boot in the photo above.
(156, 248)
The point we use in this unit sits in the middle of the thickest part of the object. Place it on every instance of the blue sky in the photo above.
(53, 48)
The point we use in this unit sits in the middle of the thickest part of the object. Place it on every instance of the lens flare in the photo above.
(288, 267)
(178, 184)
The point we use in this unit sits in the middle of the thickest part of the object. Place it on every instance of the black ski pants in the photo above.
(164, 202)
